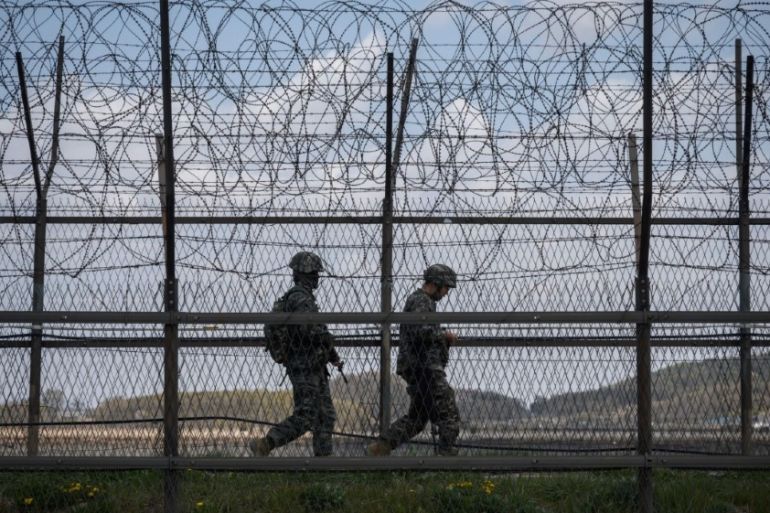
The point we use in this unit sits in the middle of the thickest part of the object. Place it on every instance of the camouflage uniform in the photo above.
(312, 348)
(422, 357)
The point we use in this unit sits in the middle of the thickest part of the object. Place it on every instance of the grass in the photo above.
(391, 492)
(89, 492)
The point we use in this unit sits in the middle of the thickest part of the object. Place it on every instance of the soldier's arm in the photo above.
(433, 337)
(428, 333)
(319, 333)
(334, 357)
(304, 303)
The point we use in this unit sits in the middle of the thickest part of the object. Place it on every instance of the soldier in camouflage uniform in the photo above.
(311, 349)
(422, 358)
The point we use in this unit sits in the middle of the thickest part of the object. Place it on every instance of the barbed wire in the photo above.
(280, 110)
(515, 111)
(564, 79)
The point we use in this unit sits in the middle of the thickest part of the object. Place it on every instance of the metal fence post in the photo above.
(38, 270)
(171, 335)
(636, 200)
(387, 254)
(392, 159)
(38, 305)
(159, 145)
(643, 352)
(38, 274)
(406, 93)
(744, 262)
(738, 111)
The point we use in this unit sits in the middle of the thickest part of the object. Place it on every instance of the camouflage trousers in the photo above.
(313, 410)
(431, 399)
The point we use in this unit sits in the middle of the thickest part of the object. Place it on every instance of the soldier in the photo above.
(422, 357)
(310, 349)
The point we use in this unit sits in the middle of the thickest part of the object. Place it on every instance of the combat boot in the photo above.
(378, 448)
(260, 446)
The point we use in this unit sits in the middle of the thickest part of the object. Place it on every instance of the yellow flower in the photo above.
(461, 484)
(488, 486)
(28, 501)
(199, 504)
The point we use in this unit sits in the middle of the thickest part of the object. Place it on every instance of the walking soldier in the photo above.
(304, 349)
(422, 357)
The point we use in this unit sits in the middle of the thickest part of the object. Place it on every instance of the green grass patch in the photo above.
(88, 492)
(384, 492)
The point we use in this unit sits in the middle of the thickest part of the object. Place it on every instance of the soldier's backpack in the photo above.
(277, 339)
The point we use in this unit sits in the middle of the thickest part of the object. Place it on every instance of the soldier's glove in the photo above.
(340, 364)
(334, 357)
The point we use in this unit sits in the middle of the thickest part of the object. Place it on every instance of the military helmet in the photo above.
(306, 262)
(442, 275)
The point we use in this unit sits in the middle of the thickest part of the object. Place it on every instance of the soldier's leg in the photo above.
(408, 426)
(305, 387)
(445, 413)
(324, 420)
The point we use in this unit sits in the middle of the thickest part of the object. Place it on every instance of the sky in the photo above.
(262, 127)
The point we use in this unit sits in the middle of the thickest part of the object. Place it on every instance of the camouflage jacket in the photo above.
(422, 346)
(312, 344)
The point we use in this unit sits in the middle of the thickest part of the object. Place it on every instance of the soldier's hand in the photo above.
(338, 364)
(451, 337)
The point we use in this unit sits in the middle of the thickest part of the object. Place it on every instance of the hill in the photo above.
(702, 392)
(476, 407)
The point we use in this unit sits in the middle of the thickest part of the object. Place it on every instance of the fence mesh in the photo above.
(518, 392)
(513, 165)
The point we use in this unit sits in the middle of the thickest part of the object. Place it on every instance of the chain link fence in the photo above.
(512, 161)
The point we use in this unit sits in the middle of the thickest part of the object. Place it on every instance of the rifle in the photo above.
(339, 368)
(434, 433)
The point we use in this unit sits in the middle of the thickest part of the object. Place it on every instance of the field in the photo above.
(208, 440)
(610, 492)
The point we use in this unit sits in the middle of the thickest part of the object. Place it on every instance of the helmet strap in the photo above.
(309, 280)
(433, 290)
